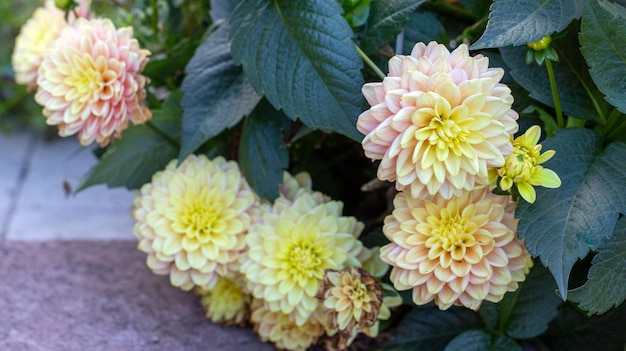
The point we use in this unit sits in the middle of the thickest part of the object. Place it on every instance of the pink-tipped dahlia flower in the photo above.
(192, 220)
(90, 81)
(457, 251)
(291, 248)
(438, 121)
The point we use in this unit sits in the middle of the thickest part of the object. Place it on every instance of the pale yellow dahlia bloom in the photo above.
(90, 81)
(294, 185)
(522, 168)
(293, 246)
(192, 220)
(352, 300)
(438, 121)
(457, 251)
(227, 302)
(35, 36)
(282, 329)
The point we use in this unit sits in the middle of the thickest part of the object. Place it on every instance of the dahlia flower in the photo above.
(352, 300)
(438, 121)
(90, 81)
(282, 329)
(35, 36)
(294, 185)
(457, 251)
(192, 220)
(227, 302)
(522, 168)
(292, 246)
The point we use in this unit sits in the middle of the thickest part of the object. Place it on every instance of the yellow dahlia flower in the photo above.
(35, 36)
(192, 220)
(227, 302)
(457, 251)
(352, 300)
(282, 329)
(90, 81)
(438, 121)
(293, 246)
(522, 168)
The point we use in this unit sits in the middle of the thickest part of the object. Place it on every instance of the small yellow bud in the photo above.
(540, 44)
(63, 4)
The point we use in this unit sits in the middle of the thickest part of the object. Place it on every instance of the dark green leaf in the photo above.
(572, 331)
(430, 329)
(606, 287)
(534, 305)
(603, 40)
(564, 223)
(513, 22)
(216, 93)
(470, 340)
(387, 17)
(575, 100)
(422, 27)
(478, 8)
(263, 154)
(489, 314)
(300, 55)
(502, 343)
(142, 151)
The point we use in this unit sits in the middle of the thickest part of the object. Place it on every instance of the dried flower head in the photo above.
(457, 251)
(282, 329)
(293, 246)
(90, 81)
(438, 121)
(192, 220)
(227, 302)
(352, 300)
(522, 169)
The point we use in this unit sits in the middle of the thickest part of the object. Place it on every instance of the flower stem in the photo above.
(370, 63)
(555, 95)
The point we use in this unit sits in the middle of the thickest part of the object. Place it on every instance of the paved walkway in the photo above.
(71, 277)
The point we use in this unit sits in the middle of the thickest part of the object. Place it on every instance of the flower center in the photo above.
(357, 292)
(201, 220)
(85, 78)
(304, 259)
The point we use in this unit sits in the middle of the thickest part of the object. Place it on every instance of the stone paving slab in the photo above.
(43, 210)
(99, 295)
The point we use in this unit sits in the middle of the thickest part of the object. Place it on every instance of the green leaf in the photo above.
(430, 329)
(606, 287)
(221, 10)
(470, 340)
(422, 26)
(142, 151)
(573, 331)
(216, 93)
(564, 223)
(513, 22)
(603, 41)
(534, 305)
(478, 340)
(263, 154)
(300, 55)
(387, 17)
(575, 100)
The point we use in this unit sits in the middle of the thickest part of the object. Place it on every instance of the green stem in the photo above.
(555, 95)
(470, 32)
(155, 20)
(370, 63)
